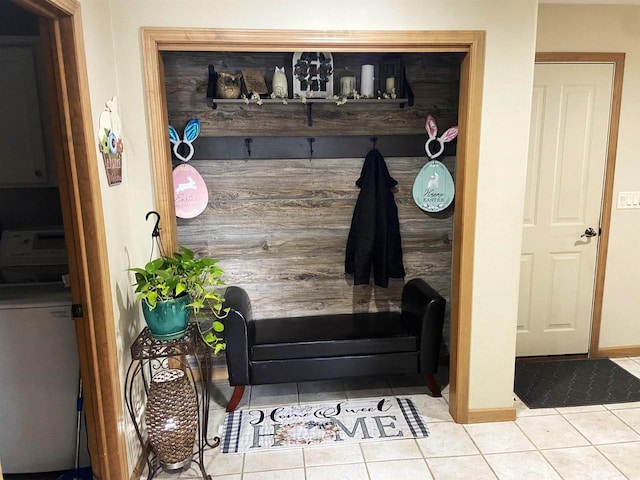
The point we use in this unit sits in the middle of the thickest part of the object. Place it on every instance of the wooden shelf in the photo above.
(309, 102)
(266, 101)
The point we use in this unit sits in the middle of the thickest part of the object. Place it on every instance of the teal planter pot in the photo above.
(169, 320)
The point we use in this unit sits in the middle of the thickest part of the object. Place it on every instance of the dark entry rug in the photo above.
(573, 383)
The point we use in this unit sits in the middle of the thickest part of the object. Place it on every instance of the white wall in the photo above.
(510, 27)
(102, 70)
(610, 28)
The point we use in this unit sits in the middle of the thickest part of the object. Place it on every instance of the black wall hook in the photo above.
(374, 140)
(310, 140)
(247, 144)
(156, 227)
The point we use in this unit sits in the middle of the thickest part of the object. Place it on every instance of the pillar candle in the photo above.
(390, 84)
(347, 86)
(366, 81)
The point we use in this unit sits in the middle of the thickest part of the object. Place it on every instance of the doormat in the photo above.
(574, 383)
(349, 421)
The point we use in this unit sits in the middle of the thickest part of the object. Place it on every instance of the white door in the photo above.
(565, 181)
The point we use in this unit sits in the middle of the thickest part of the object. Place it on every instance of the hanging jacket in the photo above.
(374, 237)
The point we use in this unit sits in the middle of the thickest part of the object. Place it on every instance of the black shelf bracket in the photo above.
(309, 114)
(211, 87)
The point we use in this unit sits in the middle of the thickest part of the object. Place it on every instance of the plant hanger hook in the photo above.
(156, 227)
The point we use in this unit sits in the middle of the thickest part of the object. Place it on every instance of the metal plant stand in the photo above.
(148, 356)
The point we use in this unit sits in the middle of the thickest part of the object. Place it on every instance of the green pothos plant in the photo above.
(172, 276)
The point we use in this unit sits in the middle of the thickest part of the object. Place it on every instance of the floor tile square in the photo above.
(630, 416)
(295, 474)
(353, 471)
(583, 409)
(221, 392)
(321, 390)
(446, 439)
(551, 431)
(364, 387)
(602, 427)
(333, 455)
(432, 409)
(523, 411)
(273, 460)
(218, 463)
(390, 450)
(499, 437)
(415, 469)
(461, 468)
(630, 364)
(280, 394)
(521, 465)
(403, 385)
(622, 406)
(625, 456)
(582, 463)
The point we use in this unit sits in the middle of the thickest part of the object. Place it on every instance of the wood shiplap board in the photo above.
(280, 228)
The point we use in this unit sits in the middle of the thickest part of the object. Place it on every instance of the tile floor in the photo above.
(597, 442)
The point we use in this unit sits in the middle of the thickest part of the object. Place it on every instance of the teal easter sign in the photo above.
(433, 189)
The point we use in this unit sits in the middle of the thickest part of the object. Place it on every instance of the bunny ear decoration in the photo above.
(191, 132)
(433, 188)
(450, 134)
(432, 130)
(431, 127)
(173, 135)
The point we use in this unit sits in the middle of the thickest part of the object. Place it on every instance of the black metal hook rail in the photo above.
(256, 148)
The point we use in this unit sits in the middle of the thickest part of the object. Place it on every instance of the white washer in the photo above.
(38, 379)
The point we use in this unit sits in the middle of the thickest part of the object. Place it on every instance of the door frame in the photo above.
(617, 59)
(472, 43)
(80, 197)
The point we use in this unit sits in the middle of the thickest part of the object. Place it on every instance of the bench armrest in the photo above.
(238, 325)
(423, 308)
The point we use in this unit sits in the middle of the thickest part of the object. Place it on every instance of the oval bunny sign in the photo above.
(190, 193)
(433, 188)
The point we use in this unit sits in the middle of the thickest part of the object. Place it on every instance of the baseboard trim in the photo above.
(483, 415)
(626, 351)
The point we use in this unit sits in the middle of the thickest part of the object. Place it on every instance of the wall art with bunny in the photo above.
(433, 189)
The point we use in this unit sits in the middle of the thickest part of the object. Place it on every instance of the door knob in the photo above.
(589, 232)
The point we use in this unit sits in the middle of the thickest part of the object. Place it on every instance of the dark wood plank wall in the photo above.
(280, 227)
(434, 78)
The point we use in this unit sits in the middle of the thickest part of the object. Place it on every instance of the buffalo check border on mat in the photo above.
(349, 421)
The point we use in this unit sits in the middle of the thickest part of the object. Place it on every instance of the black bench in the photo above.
(321, 347)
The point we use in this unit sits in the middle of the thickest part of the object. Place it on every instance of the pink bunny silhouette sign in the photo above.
(190, 193)
(433, 188)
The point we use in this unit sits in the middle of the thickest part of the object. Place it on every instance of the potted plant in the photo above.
(172, 287)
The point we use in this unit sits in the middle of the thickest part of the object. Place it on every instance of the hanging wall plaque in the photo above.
(312, 74)
(190, 193)
(110, 141)
(433, 188)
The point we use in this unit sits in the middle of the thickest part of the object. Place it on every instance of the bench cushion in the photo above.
(332, 336)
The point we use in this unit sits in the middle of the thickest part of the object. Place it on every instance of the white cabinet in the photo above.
(23, 157)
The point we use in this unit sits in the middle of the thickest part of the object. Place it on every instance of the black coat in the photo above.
(374, 238)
